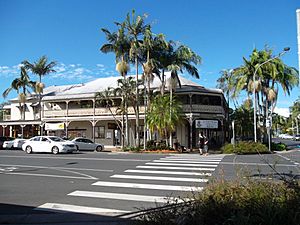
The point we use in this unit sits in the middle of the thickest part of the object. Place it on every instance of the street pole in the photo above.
(254, 87)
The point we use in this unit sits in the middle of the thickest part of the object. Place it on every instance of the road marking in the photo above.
(176, 168)
(64, 208)
(73, 158)
(118, 196)
(191, 160)
(194, 162)
(181, 179)
(60, 168)
(148, 186)
(179, 164)
(256, 164)
(167, 172)
(49, 175)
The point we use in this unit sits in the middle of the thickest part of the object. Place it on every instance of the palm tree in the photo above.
(126, 89)
(21, 85)
(41, 68)
(136, 27)
(119, 44)
(270, 76)
(164, 115)
(226, 83)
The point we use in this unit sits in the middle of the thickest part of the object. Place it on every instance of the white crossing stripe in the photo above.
(118, 196)
(182, 179)
(191, 160)
(168, 172)
(176, 168)
(63, 208)
(196, 162)
(148, 186)
(179, 164)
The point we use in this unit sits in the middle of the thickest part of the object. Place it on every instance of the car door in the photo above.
(89, 144)
(80, 144)
(45, 145)
(35, 144)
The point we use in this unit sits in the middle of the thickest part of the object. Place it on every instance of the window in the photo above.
(100, 132)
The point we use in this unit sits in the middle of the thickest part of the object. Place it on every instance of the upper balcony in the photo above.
(81, 112)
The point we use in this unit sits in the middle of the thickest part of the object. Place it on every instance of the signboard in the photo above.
(208, 124)
(54, 126)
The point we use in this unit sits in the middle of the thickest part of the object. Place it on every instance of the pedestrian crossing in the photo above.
(170, 178)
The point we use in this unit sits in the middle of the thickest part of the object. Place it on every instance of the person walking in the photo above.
(203, 144)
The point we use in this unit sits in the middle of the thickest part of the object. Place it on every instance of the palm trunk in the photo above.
(137, 129)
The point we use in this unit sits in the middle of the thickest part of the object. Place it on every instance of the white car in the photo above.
(14, 144)
(48, 144)
(286, 136)
(87, 144)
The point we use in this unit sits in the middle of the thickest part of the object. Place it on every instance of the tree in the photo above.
(269, 77)
(159, 117)
(21, 85)
(226, 83)
(136, 27)
(41, 68)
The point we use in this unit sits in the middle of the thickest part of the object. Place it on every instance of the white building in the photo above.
(71, 110)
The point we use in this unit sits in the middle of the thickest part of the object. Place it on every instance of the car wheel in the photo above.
(55, 150)
(99, 148)
(28, 149)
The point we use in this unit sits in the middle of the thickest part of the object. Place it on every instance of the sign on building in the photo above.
(207, 124)
(54, 126)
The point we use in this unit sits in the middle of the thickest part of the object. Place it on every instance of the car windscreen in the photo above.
(56, 139)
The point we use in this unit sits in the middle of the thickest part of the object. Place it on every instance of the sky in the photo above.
(69, 32)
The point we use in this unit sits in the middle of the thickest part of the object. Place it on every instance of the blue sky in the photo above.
(68, 31)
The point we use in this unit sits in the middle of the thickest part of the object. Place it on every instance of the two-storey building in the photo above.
(72, 110)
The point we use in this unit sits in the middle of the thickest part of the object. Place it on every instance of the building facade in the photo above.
(72, 111)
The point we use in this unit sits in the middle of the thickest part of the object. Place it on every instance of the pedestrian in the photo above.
(203, 144)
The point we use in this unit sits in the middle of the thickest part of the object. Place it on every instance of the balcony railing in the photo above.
(87, 112)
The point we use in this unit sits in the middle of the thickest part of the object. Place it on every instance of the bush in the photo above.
(245, 147)
(278, 146)
(234, 203)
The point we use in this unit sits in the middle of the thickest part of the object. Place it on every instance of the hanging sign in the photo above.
(54, 126)
(208, 124)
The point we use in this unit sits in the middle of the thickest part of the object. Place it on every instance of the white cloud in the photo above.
(100, 65)
(282, 111)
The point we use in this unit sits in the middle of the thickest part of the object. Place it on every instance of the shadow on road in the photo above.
(21, 214)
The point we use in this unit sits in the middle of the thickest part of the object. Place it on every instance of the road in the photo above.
(38, 187)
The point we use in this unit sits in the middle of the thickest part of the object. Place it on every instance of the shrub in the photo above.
(234, 203)
(278, 146)
(245, 147)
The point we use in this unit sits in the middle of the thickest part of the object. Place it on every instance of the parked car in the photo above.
(286, 136)
(14, 144)
(48, 144)
(3, 139)
(87, 144)
(297, 137)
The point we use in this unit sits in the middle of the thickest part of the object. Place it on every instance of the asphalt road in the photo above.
(37, 188)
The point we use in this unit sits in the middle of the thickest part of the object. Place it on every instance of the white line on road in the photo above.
(168, 172)
(191, 159)
(119, 196)
(179, 164)
(194, 162)
(63, 208)
(61, 168)
(55, 176)
(148, 186)
(181, 179)
(176, 168)
(73, 158)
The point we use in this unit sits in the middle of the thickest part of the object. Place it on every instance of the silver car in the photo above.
(48, 144)
(87, 144)
(14, 144)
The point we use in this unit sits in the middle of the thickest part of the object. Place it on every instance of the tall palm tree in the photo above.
(226, 83)
(21, 85)
(136, 27)
(41, 68)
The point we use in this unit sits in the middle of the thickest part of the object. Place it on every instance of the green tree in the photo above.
(21, 85)
(164, 115)
(41, 68)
